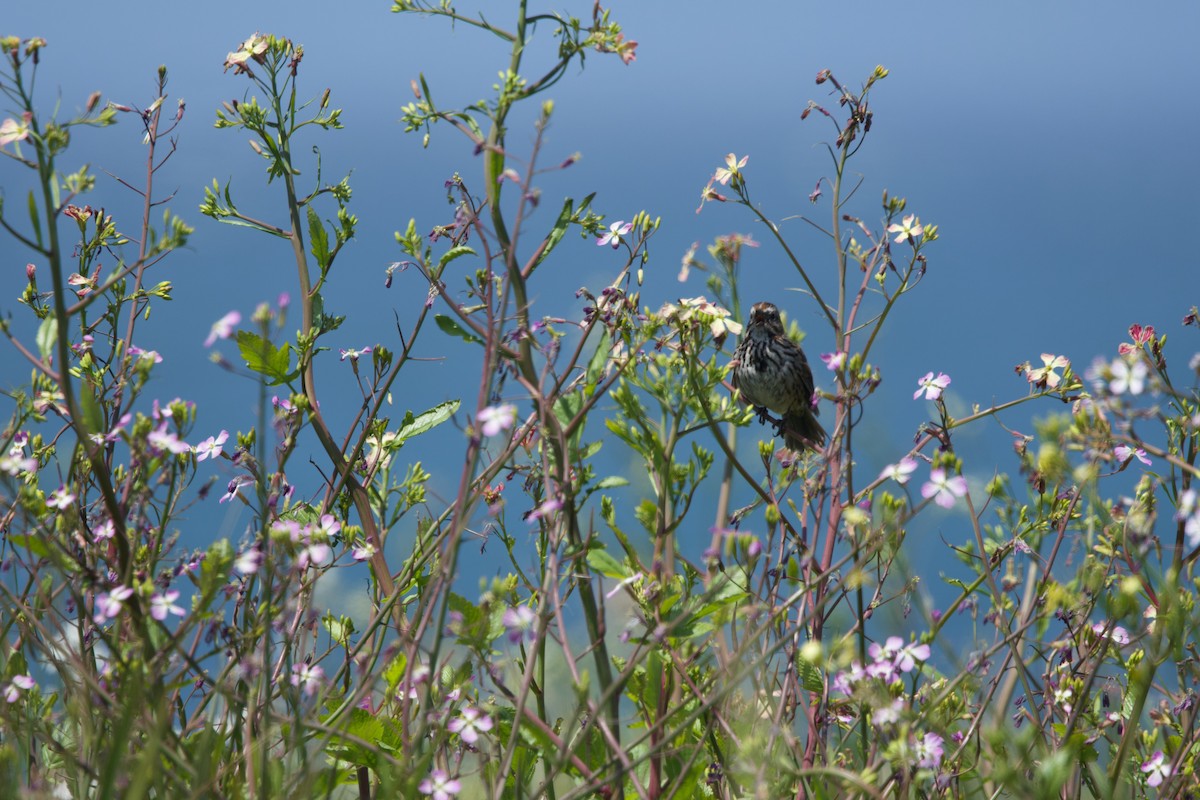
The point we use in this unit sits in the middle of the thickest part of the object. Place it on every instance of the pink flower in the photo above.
(109, 604)
(494, 419)
(211, 447)
(440, 785)
(944, 489)
(235, 485)
(164, 440)
(615, 232)
(1140, 336)
(928, 751)
(519, 623)
(149, 355)
(1124, 453)
(13, 131)
(931, 386)
(60, 498)
(223, 328)
(1117, 634)
(163, 604)
(252, 48)
(469, 724)
(1156, 768)
(308, 677)
(901, 472)
(908, 230)
(19, 683)
(834, 361)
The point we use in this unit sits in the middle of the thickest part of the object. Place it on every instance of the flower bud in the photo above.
(93, 99)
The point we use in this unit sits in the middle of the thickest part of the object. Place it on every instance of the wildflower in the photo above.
(1045, 374)
(60, 498)
(249, 561)
(615, 232)
(211, 447)
(546, 508)
(469, 724)
(18, 684)
(440, 786)
(146, 355)
(889, 714)
(354, 355)
(626, 49)
(163, 604)
(494, 419)
(109, 604)
(253, 47)
(732, 169)
(235, 485)
(104, 531)
(1140, 336)
(908, 230)
(1124, 453)
(1156, 768)
(900, 472)
(1127, 377)
(308, 677)
(163, 440)
(13, 131)
(363, 552)
(928, 751)
(834, 361)
(1188, 512)
(223, 328)
(931, 386)
(519, 623)
(1118, 634)
(944, 489)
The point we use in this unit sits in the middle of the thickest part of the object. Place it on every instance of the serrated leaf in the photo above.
(810, 676)
(452, 327)
(318, 239)
(453, 253)
(265, 358)
(426, 420)
(600, 561)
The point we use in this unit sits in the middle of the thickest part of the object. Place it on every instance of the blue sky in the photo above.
(1053, 145)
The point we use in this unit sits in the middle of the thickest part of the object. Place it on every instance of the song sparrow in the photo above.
(771, 372)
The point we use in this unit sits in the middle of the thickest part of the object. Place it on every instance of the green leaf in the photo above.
(264, 357)
(93, 416)
(47, 335)
(600, 561)
(560, 228)
(318, 239)
(33, 219)
(35, 544)
(452, 327)
(453, 253)
(810, 676)
(426, 420)
(611, 482)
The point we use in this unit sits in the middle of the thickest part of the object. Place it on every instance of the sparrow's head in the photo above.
(764, 317)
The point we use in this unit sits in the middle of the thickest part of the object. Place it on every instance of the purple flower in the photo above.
(249, 561)
(469, 724)
(164, 440)
(494, 419)
(944, 489)
(1124, 453)
(163, 604)
(931, 386)
(901, 472)
(615, 232)
(440, 785)
(151, 355)
(1117, 634)
(223, 328)
(519, 623)
(211, 447)
(235, 485)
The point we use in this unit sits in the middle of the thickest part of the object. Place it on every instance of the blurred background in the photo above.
(1052, 144)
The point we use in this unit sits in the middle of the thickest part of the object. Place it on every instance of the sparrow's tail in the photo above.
(801, 431)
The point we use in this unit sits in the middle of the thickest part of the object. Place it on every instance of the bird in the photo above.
(770, 371)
